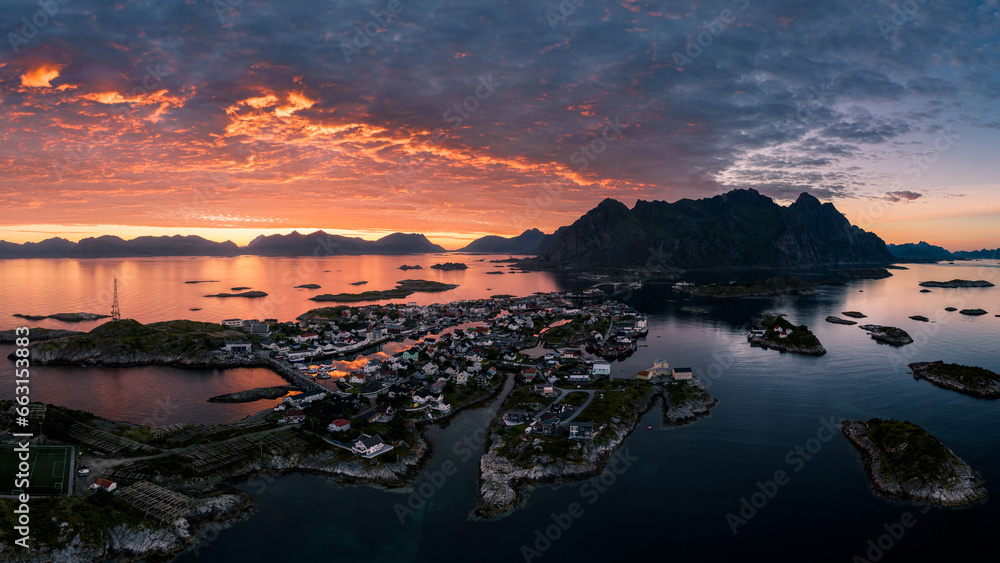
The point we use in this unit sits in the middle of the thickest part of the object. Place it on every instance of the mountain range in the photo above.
(292, 244)
(923, 251)
(738, 229)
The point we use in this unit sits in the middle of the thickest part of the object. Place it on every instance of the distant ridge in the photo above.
(115, 247)
(739, 229)
(985, 254)
(532, 241)
(924, 251)
(293, 244)
(324, 244)
(920, 251)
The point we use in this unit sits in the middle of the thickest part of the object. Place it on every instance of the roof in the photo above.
(683, 369)
(104, 483)
(294, 412)
(340, 423)
(370, 442)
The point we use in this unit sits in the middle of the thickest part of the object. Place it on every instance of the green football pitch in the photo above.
(49, 473)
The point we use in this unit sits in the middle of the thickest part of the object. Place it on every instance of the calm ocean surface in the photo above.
(671, 503)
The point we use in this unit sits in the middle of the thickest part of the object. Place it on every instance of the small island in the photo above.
(766, 288)
(555, 450)
(64, 317)
(890, 335)
(970, 380)
(404, 288)
(252, 395)
(239, 288)
(694, 310)
(362, 282)
(496, 273)
(202, 281)
(957, 283)
(416, 267)
(307, 286)
(130, 343)
(840, 321)
(864, 273)
(685, 401)
(249, 294)
(904, 462)
(777, 333)
(920, 318)
(951, 309)
(972, 312)
(450, 266)
(854, 314)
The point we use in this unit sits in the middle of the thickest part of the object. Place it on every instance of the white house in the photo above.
(237, 347)
(370, 446)
(303, 399)
(233, 323)
(462, 378)
(602, 368)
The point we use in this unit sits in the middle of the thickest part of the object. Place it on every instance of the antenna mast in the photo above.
(116, 314)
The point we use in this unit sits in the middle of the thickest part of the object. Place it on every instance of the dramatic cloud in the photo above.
(478, 117)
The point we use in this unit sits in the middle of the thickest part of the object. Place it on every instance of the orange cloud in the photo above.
(41, 76)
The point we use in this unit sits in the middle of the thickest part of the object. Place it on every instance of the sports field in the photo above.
(49, 473)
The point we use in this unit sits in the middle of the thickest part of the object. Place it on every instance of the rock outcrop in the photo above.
(904, 462)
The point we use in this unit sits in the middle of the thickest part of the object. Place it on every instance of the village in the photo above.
(546, 340)
(356, 402)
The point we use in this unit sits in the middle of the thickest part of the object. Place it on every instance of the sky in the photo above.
(231, 118)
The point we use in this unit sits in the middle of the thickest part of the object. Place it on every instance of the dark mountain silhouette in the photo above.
(739, 229)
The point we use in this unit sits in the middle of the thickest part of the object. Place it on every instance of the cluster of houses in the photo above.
(474, 339)
(759, 332)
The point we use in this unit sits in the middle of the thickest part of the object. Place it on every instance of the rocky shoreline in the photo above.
(679, 410)
(127, 544)
(890, 335)
(956, 485)
(790, 348)
(926, 370)
(502, 483)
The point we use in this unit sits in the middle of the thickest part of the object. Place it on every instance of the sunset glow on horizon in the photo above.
(257, 119)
